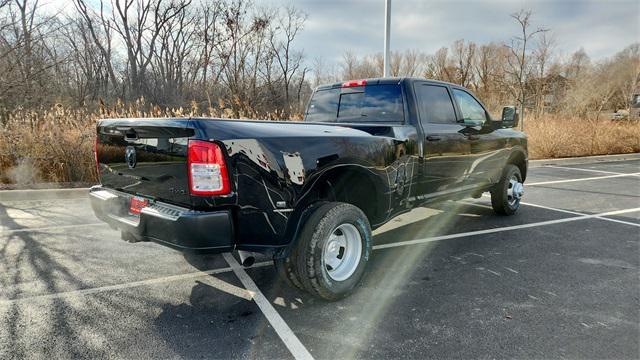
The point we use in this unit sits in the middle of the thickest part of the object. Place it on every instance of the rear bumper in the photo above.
(179, 228)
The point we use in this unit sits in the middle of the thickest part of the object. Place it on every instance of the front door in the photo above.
(488, 149)
(446, 149)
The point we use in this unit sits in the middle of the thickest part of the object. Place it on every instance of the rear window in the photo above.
(372, 103)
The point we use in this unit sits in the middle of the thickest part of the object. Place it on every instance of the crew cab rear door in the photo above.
(446, 149)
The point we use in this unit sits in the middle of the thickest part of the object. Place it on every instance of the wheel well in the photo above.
(350, 185)
(518, 159)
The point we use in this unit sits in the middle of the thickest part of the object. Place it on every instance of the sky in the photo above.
(602, 28)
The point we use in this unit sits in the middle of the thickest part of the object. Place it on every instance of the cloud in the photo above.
(601, 28)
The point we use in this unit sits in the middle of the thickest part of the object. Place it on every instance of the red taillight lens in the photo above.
(207, 169)
(354, 83)
(137, 204)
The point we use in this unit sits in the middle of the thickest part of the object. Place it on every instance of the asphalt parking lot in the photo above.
(558, 280)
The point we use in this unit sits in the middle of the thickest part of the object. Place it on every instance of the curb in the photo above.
(43, 194)
(584, 160)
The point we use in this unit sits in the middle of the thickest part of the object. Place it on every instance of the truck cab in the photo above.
(458, 149)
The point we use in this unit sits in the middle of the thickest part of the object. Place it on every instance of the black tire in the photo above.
(499, 194)
(310, 265)
(285, 266)
(287, 271)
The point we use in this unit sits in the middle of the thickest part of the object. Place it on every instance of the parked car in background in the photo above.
(620, 115)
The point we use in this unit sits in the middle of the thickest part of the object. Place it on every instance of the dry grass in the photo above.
(53, 146)
(57, 145)
(554, 137)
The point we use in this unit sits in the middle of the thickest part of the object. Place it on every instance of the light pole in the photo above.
(387, 30)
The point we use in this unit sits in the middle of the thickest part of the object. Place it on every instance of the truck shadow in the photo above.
(216, 324)
(392, 273)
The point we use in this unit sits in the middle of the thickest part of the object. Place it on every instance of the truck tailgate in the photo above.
(145, 157)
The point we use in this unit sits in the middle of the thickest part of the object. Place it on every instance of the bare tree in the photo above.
(578, 64)
(100, 30)
(518, 62)
(439, 66)
(244, 45)
(489, 74)
(172, 57)
(627, 70)
(28, 56)
(243, 60)
(283, 34)
(542, 58)
(412, 63)
(139, 25)
(349, 65)
(463, 55)
(85, 74)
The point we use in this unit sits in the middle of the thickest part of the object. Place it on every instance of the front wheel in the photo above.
(506, 195)
(333, 250)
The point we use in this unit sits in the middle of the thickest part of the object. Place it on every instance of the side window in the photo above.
(323, 106)
(374, 103)
(470, 108)
(350, 104)
(435, 105)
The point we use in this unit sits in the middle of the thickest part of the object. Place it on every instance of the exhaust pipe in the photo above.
(247, 258)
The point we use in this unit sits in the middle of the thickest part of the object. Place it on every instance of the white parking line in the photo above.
(579, 213)
(582, 179)
(279, 325)
(582, 169)
(135, 284)
(506, 228)
(550, 208)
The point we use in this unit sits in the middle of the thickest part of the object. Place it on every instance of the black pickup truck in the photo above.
(307, 193)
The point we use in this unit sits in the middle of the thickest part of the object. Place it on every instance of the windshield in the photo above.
(372, 103)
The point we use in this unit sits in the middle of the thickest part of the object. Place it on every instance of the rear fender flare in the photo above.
(297, 220)
(306, 206)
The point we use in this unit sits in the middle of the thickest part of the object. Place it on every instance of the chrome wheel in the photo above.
(515, 190)
(342, 252)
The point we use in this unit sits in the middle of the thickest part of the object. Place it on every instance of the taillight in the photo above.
(207, 169)
(354, 83)
(137, 204)
(95, 156)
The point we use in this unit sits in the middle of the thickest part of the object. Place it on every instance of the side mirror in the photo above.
(509, 117)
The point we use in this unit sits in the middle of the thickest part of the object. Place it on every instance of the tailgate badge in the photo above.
(130, 156)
